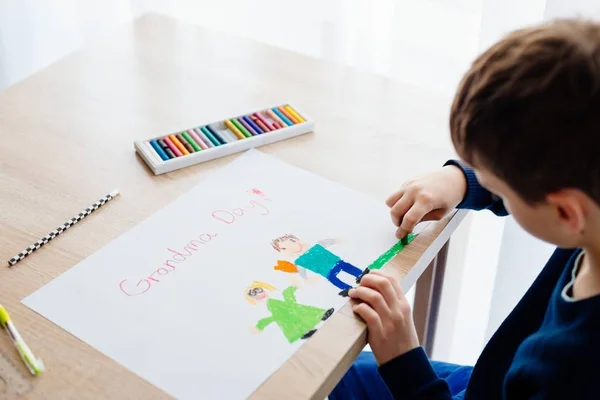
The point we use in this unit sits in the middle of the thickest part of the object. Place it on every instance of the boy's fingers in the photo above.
(394, 282)
(373, 298)
(401, 233)
(434, 215)
(368, 315)
(382, 285)
(393, 199)
(414, 216)
(399, 209)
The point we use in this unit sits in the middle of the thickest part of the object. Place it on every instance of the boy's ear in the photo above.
(570, 204)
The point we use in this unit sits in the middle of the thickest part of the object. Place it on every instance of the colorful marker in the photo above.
(178, 144)
(191, 141)
(253, 125)
(202, 140)
(230, 137)
(234, 129)
(194, 141)
(33, 364)
(210, 136)
(170, 152)
(276, 118)
(288, 115)
(264, 121)
(172, 146)
(241, 128)
(153, 154)
(260, 123)
(185, 143)
(282, 117)
(158, 150)
(162, 144)
(216, 134)
(248, 127)
(164, 148)
(197, 139)
(294, 113)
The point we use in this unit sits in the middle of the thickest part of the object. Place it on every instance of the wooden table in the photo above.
(67, 139)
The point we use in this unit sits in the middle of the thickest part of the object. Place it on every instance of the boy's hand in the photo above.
(427, 198)
(386, 312)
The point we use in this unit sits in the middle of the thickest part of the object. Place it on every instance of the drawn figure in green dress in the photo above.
(296, 321)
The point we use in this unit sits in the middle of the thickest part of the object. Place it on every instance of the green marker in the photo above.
(34, 365)
(191, 141)
(241, 127)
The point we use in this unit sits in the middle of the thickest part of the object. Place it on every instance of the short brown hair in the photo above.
(528, 110)
(276, 242)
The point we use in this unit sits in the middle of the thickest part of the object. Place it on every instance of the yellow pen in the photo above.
(34, 365)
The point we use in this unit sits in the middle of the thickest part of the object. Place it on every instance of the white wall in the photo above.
(36, 33)
(572, 8)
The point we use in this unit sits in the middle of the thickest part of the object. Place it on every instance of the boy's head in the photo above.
(289, 245)
(527, 118)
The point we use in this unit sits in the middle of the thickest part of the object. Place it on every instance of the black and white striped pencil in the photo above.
(62, 228)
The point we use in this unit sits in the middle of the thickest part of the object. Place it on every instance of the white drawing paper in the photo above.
(196, 299)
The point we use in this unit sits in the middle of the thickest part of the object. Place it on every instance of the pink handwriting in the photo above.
(177, 257)
(229, 217)
(137, 287)
(257, 192)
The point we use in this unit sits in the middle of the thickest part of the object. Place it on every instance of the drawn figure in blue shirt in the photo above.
(317, 259)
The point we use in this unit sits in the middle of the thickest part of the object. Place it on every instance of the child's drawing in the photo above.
(296, 321)
(286, 266)
(316, 259)
(390, 253)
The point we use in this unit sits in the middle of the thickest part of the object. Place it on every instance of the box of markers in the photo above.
(206, 142)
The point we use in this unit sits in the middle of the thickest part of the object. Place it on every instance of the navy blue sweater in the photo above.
(547, 348)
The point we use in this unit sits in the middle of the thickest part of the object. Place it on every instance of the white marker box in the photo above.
(233, 144)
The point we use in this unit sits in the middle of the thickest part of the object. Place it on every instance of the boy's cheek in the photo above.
(539, 225)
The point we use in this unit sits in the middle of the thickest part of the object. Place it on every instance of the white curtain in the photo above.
(36, 33)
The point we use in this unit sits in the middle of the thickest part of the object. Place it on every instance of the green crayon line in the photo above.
(391, 253)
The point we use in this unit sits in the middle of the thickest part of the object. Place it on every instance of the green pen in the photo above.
(34, 365)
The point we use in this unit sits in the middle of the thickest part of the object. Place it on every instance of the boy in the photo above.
(316, 259)
(526, 122)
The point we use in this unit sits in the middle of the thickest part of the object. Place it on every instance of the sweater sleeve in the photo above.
(478, 197)
(263, 323)
(411, 377)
